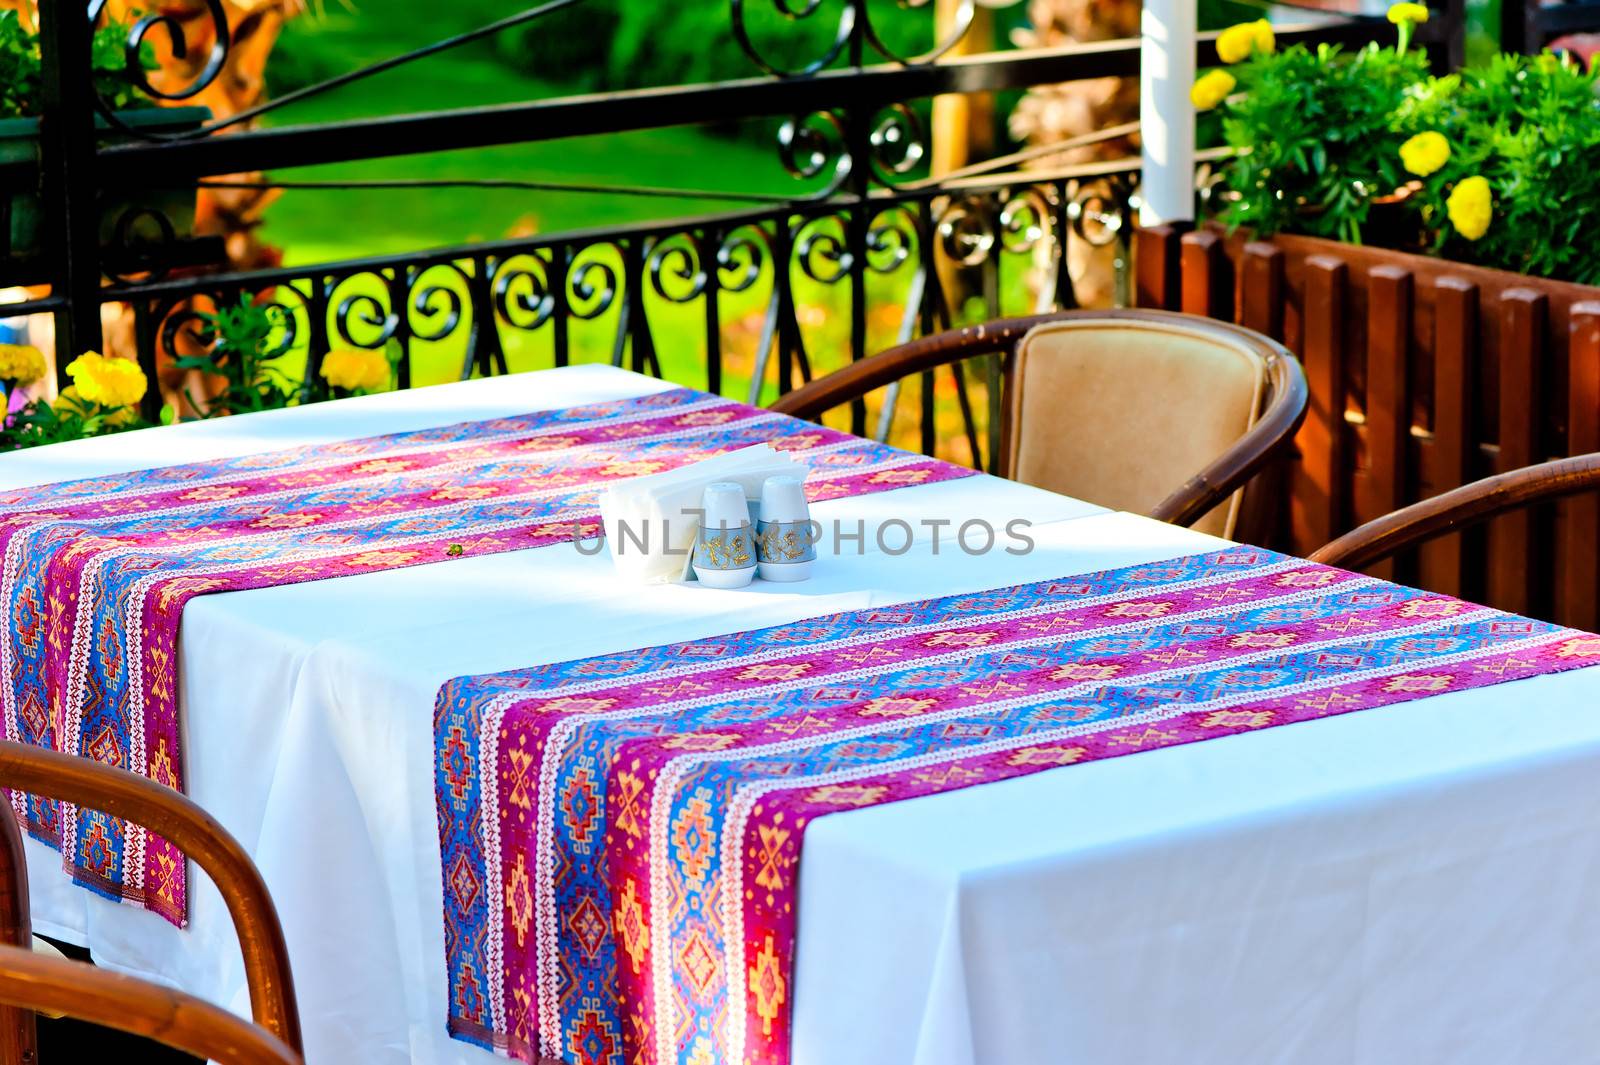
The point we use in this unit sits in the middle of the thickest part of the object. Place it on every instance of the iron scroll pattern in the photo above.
(853, 34)
(178, 25)
(891, 148)
(765, 299)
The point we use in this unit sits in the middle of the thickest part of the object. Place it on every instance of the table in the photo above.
(1404, 885)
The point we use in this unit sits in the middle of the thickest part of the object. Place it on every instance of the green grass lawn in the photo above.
(314, 226)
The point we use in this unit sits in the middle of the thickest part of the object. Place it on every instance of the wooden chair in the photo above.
(1461, 508)
(30, 981)
(1149, 411)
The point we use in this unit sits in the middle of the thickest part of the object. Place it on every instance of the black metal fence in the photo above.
(871, 227)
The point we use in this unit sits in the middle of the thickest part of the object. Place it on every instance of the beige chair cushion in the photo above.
(1122, 412)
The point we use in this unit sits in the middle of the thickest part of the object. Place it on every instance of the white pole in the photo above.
(1166, 117)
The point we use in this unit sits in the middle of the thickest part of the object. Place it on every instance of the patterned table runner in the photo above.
(621, 835)
(97, 571)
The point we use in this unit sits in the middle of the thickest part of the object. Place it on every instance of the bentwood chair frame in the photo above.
(1280, 417)
(30, 982)
(1461, 508)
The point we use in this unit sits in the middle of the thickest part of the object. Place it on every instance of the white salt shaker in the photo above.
(785, 535)
(725, 548)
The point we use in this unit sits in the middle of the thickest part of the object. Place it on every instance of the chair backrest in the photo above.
(1461, 508)
(95, 786)
(1109, 405)
(1122, 410)
(33, 981)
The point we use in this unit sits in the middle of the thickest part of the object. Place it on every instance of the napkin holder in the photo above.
(651, 522)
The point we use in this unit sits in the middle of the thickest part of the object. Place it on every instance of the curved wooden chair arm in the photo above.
(166, 812)
(1461, 508)
(912, 357)
(1288, 397)
(16, 920)
(75, 989)
(19, 1039)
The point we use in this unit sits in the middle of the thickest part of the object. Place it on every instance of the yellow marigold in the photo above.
(110, 382)
(1235, 43)
(1211, 89)
(355, 368)
(1425, 153)
(1402, 14)
(1471, 207)
(20, 364)
(1266, 41)
(68, 401)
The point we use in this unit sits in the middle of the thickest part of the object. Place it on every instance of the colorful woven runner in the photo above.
(97, 571)
(621, 835)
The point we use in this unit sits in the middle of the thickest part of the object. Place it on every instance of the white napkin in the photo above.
(657, 509)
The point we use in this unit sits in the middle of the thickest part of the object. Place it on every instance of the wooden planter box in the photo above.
(22, 234)
(1425, 374)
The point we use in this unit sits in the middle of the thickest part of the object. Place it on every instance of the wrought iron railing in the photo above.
(869, 231)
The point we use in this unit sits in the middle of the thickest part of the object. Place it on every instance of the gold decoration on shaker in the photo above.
(729, 552)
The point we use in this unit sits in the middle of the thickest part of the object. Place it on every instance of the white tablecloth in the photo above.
(1407, 885)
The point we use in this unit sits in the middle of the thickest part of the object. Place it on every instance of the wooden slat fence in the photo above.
(1425, 374)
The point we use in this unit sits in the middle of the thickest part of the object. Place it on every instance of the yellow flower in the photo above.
(68, 401)
(1471, 207)
(1212, 88)
(355, 368)
(1237, 42)
(108, 381)
(1425, 153)
(1412, 14)
(20, 364)
(1266, 42)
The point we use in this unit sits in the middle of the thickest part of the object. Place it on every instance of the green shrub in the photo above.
(1531, 127)
(1315, 138)
(1509, 178)
(20, 89)
(240, 350)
